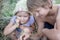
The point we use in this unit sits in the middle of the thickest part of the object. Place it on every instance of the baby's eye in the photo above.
(25, 16)
(19, 16)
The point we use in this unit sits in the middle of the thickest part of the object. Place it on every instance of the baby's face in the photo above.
(23, 17)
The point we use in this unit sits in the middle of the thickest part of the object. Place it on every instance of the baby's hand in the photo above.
(22, 27)
(17, 21)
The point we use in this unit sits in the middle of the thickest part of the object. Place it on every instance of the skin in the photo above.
(56, 31)
(22, 17)
(52, 16)
(26, 33)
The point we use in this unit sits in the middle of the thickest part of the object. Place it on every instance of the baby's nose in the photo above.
(22, 18)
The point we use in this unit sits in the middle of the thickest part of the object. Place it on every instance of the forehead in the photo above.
(43, 7)
(37, 9)
(22, 13)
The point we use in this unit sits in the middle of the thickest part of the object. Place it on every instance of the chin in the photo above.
(22, 22)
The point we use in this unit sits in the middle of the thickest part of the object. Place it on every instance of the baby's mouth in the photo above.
(22, 22)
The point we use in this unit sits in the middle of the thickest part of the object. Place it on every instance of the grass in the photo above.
(57, 1)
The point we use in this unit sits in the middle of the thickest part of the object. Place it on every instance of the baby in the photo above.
(21, 22)
(24, 20)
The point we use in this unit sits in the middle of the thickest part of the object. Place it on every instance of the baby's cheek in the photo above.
(26, 19)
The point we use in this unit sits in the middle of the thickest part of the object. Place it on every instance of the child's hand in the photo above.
(17, 21)
(22, 27)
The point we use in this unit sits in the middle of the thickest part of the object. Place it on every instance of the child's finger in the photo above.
(18, 18)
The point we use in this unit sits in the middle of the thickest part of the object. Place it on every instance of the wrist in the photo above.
(17, 25)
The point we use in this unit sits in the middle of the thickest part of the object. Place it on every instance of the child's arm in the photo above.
(10, 27)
